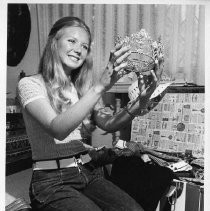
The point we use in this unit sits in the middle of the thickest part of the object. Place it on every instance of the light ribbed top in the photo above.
(43, 145)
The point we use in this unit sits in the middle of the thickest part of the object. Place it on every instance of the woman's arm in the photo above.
(61, 125)
(109, 122)
(140, 106)
(112, 123)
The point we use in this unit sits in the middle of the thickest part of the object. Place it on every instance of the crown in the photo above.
(145, 52)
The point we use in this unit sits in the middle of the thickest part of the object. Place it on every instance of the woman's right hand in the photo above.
(115, 68)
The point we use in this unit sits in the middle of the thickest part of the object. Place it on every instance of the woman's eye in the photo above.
(85, 47)
(71, 41)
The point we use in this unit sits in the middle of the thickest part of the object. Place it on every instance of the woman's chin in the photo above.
(72, 65)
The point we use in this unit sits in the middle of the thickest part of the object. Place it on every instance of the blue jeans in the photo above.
(77, 189)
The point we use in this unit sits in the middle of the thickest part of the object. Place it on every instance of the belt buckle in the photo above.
(85, 158)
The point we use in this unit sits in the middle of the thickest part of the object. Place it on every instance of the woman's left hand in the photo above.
(146, 88)
(159, 65)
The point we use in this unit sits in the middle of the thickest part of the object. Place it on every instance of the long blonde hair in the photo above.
(56, 80)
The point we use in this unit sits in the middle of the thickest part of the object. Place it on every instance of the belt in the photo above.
(61, 163)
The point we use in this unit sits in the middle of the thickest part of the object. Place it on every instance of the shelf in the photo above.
(174, 88)
(19, 163)
(120, 88)
(18, 155)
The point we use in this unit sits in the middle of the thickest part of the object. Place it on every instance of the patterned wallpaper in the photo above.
(174, 125)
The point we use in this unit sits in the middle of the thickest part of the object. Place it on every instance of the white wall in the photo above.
(29, 63)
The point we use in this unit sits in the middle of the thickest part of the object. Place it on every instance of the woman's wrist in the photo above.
(98, 89)
(129, 112)
(131, 109)
(143, 109)
(134, 112)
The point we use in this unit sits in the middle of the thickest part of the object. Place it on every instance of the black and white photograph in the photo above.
(105, 105)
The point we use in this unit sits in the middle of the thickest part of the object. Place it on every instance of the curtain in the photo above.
(181, 28)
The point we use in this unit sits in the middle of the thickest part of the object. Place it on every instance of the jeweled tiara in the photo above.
(144, 51)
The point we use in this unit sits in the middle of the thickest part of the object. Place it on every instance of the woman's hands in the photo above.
(146, 88)
(115, 68)
(159, 65)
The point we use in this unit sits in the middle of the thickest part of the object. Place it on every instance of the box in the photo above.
(176, 124)
(187, 197)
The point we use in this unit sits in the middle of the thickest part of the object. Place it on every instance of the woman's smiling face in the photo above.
(73, 47)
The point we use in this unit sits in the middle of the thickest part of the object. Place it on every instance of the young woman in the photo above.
(57, 102)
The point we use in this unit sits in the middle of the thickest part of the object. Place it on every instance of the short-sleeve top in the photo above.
(44, 146)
